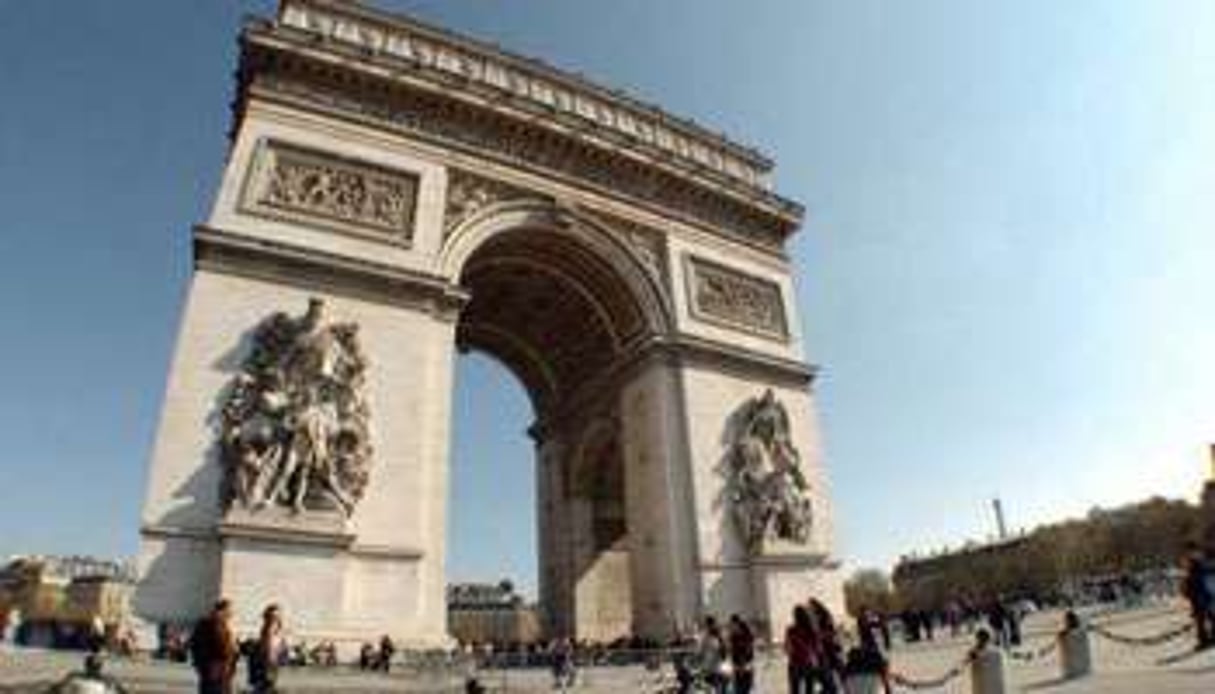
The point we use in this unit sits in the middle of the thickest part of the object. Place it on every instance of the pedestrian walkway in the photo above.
(1131, 662)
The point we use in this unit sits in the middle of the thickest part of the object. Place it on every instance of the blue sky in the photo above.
(1005, 274)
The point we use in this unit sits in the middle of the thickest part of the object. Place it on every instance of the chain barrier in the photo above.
(1030, 655)
(933, 683)
(1153, 640)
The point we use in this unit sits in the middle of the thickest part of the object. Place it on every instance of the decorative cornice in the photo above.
(319, 73)
(480, 65)
(216, 250)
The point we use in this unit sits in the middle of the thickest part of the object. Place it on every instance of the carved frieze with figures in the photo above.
(303, 185)
(721, 295)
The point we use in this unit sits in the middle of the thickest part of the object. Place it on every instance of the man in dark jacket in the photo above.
(1195, 589)
(213, 650)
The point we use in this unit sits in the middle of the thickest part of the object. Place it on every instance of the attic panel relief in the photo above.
(727, 297)
(311, 187)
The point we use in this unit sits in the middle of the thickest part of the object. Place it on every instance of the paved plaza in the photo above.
(1166, 667)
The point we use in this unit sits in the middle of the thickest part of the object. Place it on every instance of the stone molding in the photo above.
(307, 186)
(786, 560)
(285, 535)
(224, 252)
(297, 71)
(386, 552)
(734, 299)
(216, 534)
(531, 81)
(158, 531)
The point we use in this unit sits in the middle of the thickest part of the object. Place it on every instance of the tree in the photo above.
(868, 588)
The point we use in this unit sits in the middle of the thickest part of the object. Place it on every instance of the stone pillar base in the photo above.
(782, 581)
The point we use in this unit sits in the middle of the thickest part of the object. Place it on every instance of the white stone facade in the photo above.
(636, 372)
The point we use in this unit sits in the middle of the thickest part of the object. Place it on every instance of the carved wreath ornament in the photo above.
(294, 424)
(767, 491)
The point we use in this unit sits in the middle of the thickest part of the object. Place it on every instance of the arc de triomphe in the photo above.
(394, 192)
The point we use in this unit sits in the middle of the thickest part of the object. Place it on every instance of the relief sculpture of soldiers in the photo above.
(768, 489)
(294, 429)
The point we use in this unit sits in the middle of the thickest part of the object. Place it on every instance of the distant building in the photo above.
(56, 601)
(930, 581)
(490, 613)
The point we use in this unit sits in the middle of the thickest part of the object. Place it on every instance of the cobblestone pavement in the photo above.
(1119, 668)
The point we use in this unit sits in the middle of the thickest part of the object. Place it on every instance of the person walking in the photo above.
(742, 654)
(213, 650)
(712, 656)
(802, 652)
(1197, 591)
(263, 656)
(831, 668)
(562, 652)
(387, 650)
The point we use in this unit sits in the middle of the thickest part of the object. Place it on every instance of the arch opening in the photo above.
(561, 317)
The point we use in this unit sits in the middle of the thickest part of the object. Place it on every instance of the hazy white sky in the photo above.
(1005, 274)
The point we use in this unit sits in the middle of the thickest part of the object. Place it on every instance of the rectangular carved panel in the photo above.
(319, 189)
(725, 296)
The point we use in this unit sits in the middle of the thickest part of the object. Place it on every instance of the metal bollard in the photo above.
(987, 672)
(1075, 653)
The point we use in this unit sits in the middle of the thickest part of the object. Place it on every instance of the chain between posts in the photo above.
(1153, 640)
(934, 683)
(1026, 656)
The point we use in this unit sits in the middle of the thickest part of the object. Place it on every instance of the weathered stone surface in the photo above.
(635, 357)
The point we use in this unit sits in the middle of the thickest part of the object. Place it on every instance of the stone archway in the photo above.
(547, 301)
(393, 191)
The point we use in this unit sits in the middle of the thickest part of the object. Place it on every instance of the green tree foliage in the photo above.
(868, 589)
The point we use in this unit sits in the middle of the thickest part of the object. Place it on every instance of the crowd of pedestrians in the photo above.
(720, 658)
(215, 651)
